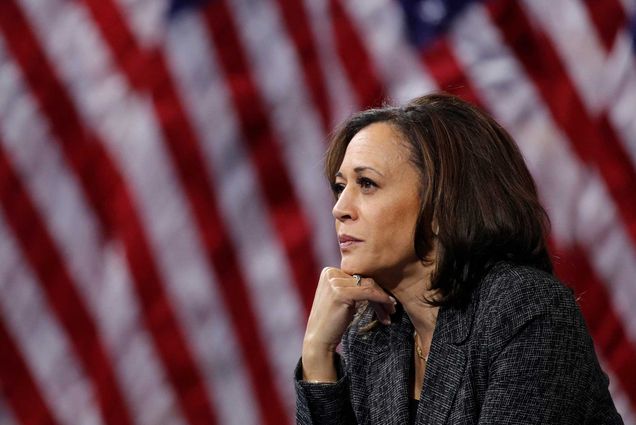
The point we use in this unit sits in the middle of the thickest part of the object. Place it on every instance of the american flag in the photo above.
(163, 215)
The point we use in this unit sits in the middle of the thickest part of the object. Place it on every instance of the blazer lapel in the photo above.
(446, 366)
(390, 362)
(388, 374)
(443, 377)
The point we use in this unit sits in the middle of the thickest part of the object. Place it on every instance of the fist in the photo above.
(334, 306)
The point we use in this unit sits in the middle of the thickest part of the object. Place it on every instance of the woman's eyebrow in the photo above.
(360, 169)
(365, 168)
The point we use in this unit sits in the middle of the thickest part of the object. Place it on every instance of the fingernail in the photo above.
(393, 299)
(387, 321)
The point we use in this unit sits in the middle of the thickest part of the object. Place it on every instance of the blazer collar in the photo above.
(453, 326)
(391, 363)
(389, 367)
(446, 365)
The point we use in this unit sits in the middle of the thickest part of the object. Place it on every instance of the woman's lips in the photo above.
(347, 241)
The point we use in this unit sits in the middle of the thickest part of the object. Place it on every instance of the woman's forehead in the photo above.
(378, 145)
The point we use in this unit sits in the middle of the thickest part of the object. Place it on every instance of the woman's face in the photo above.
(378, 203)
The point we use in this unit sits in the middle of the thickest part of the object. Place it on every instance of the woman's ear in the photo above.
(434, 227)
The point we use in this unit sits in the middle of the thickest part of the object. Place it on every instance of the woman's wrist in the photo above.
(318, 366)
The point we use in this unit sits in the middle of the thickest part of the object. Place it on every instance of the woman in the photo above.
(444, 304)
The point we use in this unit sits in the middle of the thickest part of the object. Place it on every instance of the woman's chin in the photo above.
(347, 266)
(353, 267)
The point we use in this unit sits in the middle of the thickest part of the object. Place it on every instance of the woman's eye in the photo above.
(366, 183)
(337, 188)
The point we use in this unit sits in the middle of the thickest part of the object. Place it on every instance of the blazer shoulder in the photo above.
(524, 288)
(512, 295)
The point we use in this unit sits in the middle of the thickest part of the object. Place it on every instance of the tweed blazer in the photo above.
(520, 353)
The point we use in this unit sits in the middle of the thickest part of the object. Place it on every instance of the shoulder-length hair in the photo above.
(479, 203)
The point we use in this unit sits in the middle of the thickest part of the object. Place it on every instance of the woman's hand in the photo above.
(332, 311)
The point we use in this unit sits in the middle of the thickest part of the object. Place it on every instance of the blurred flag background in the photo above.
(163, 216)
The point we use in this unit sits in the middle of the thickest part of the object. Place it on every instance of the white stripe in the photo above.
(96, 266)
(621, 400)
(381, 24)
(602, 84)
(578, 203)
(145, 19)
(6, 414)
(43, 345)
(144, 380)
(620, 83)
(275, 69)
(574, 37)
(629, 6)
(273, 297)
(341, 93)
(129, 129)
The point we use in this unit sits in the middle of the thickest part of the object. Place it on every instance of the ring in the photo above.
(358, 278)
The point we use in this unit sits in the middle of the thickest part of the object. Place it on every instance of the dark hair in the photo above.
(475, 189)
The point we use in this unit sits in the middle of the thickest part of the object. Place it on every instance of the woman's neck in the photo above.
(411, 289)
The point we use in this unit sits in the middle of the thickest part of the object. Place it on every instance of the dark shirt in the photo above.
(413, 403)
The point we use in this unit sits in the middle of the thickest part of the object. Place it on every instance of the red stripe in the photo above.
(606, 328)
(357, 62)
(150, 74)
(105, 188)
(48, 265)
(445, 69)
(18, 386)
(298, 27)
(593, 140)
(609, 18)
(259, 136)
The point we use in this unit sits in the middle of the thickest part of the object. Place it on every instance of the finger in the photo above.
(387, 310)
(365, 289)
(381, 313)
(364, 293)
(388, 306)
(335, 273)
(350, 281)
(390, 309)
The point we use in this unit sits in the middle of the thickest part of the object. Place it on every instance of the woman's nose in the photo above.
(344, 208)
